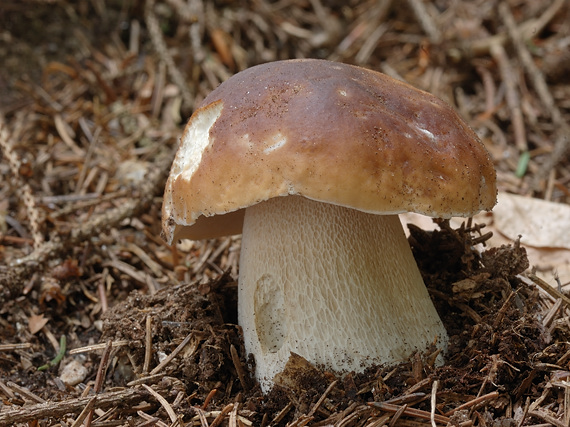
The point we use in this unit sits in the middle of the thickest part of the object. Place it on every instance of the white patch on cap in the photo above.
(342, 92)
(195, 141)
(427, 132)
(279, 141)
(245, 142)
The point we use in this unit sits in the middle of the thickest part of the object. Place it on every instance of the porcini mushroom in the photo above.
(312, 161)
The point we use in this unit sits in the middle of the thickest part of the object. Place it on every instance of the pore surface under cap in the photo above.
(330, 132)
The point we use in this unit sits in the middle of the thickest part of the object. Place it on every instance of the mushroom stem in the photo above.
(338, 286)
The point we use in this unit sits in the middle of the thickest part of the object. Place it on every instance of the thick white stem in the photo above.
(338, 286)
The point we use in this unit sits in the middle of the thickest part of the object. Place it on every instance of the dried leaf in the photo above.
(36, 322)
(540, 223)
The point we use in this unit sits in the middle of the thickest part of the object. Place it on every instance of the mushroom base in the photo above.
(337, 286)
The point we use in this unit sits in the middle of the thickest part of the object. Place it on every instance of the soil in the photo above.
(93, 98)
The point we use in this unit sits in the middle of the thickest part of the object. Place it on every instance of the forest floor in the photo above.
(104, 324)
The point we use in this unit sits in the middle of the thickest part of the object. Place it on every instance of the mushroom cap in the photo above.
(328, 131)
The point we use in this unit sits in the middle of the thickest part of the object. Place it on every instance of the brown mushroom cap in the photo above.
(327, 131)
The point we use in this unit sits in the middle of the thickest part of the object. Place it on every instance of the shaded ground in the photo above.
(93, 96)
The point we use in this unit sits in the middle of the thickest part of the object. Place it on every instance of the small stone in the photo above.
(73, 373)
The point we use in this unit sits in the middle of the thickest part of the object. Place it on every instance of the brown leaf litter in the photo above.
(93, 96)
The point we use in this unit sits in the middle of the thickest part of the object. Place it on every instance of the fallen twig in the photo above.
(24, 414)
(25, 193)
(25, 392)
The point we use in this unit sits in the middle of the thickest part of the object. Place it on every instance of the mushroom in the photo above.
(312, 161)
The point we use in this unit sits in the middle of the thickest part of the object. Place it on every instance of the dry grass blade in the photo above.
(102, 346)
(361, 412)
(87, 411)
(322, 398)
(162, 50)
(148, 345)
(25, 392)
(532, 279)
(239, 368)
(537, 77)
(10, 279)
(222, 415)
(547, 417)
(10, 347)
(397, 415)
(513, 99)
(472, 404)
(416, 413)
(175, 353)
(163, 402)
(425, 20)
(538, 80)
(433, 402)
(281, 414)
(94, 96)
